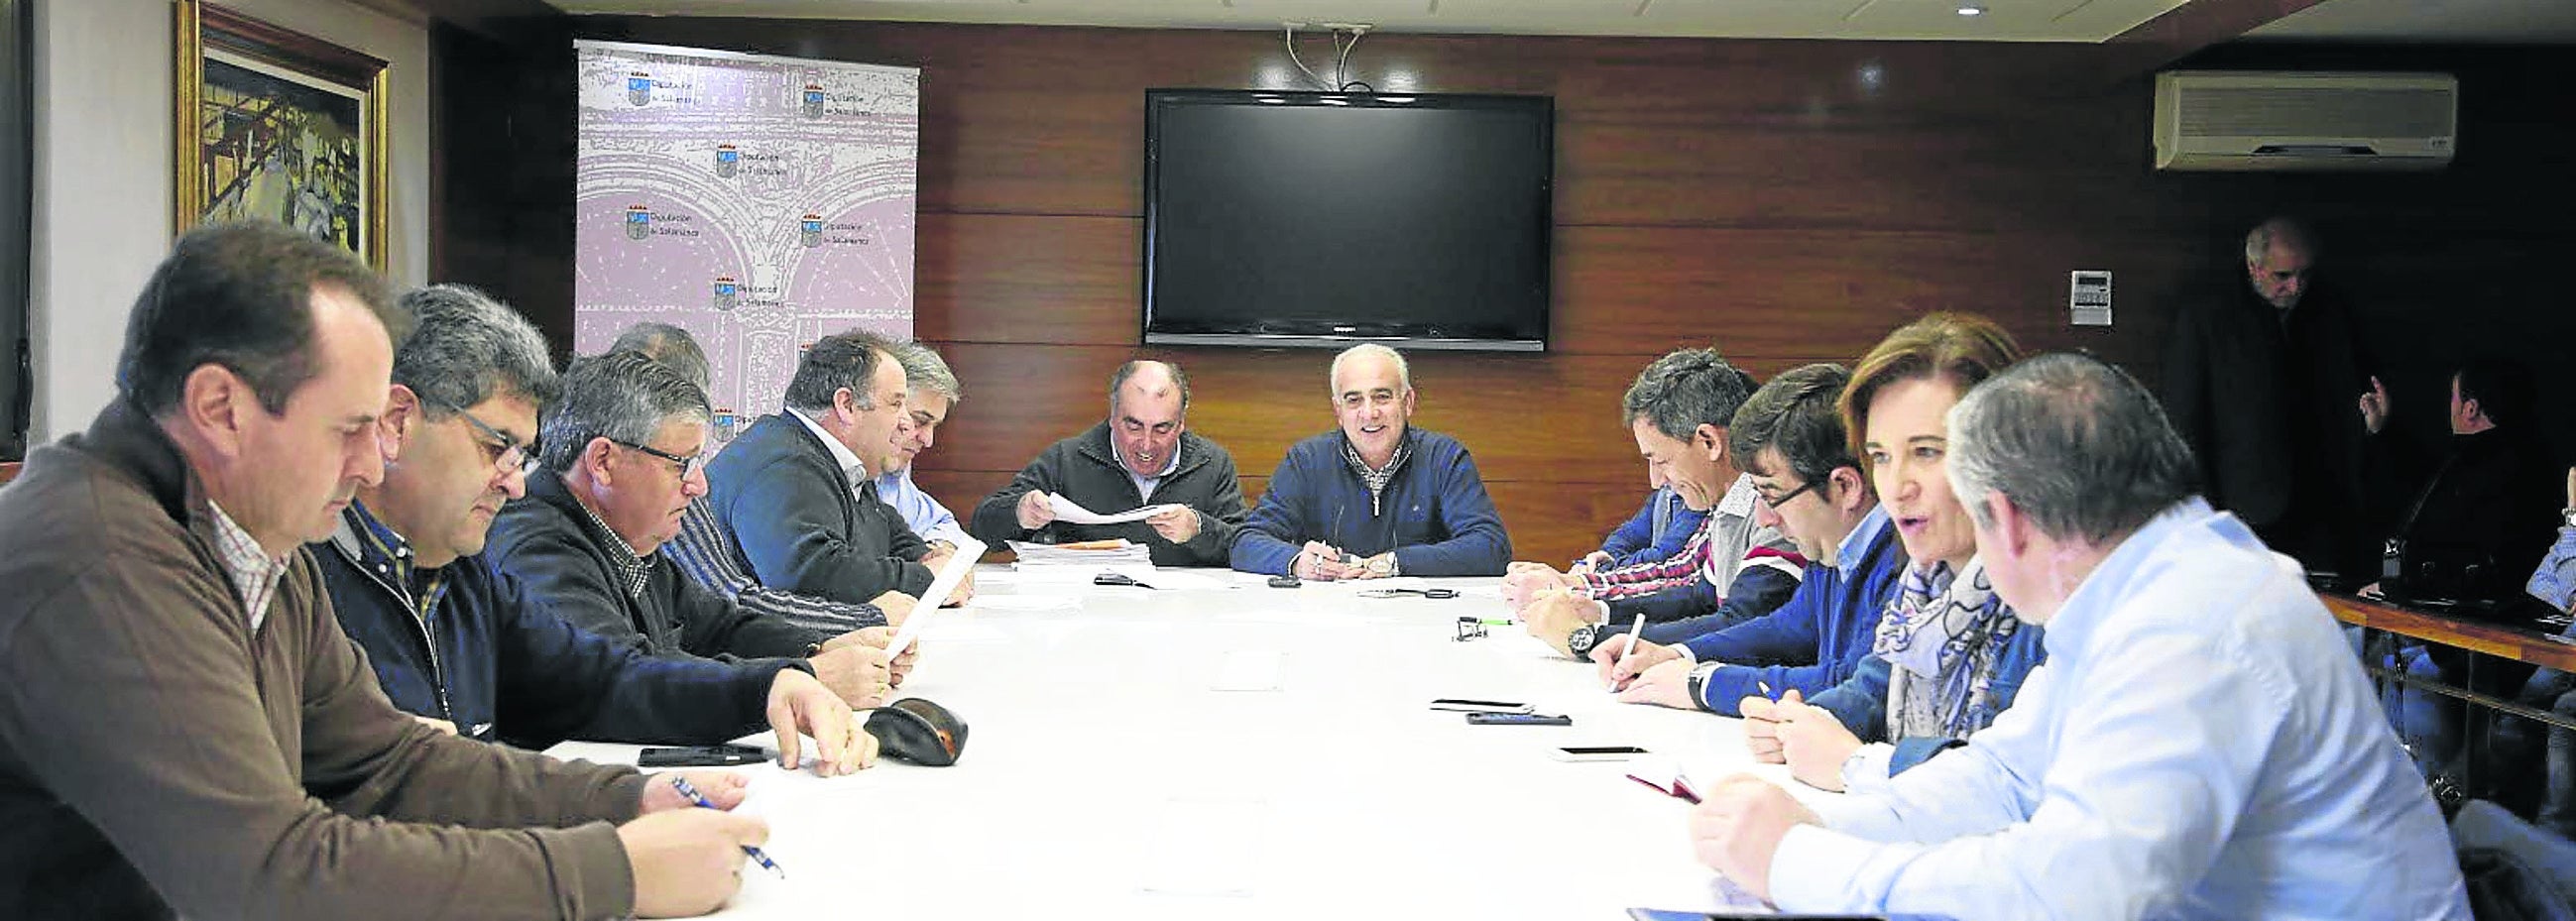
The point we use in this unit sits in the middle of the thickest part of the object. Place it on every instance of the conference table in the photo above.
(1215, 747)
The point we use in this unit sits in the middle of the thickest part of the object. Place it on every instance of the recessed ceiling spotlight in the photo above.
(1971, 9)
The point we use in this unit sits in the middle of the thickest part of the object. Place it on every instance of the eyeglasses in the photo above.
(508, 455)
(689, 466)
(1470, 628)
(1791, 494)
(1424, 592)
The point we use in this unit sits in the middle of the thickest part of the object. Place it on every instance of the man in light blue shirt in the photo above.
(2201, 743)
(935, 391)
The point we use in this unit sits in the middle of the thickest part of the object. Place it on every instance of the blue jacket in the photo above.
(1638, 541)
(1860, 702)
(1817, 638)
(1437, 518)
(795, 519)
(504, 668)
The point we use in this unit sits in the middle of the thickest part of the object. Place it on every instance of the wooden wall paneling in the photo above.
(9, 470)
(1790, 201)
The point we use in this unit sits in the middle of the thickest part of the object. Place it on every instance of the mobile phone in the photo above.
(1283, 581)
(1480, 706)
(700, 756)
(1518, 719)
(1597, 752)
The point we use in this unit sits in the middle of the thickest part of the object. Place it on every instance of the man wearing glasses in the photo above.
(464, 648)
(619, 464)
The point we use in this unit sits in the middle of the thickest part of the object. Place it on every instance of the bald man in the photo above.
(1143, 454)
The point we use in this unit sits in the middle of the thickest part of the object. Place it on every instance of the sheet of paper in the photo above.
(959, 564)
(1067, 511)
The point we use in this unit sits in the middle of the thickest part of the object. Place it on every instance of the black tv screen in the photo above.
(1324, 218)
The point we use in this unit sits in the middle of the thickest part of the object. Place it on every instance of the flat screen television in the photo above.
(1322, 219)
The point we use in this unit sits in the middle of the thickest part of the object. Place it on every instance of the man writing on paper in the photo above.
(1143, 454)
(620, 464)
(1377, 497)
(797, 496)
(186, 732)
(466, 648)
(2201, 743)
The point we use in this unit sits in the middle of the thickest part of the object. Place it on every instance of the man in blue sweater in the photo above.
(1377, 498)
(1790, 439)
(466, 648)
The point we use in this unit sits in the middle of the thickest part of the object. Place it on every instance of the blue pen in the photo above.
(686, 789)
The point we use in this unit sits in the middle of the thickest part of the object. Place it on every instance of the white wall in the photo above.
(102, 163)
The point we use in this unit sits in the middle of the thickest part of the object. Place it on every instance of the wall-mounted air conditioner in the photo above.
(2251, 120)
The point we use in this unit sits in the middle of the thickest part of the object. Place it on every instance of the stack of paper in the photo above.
(1089, 553)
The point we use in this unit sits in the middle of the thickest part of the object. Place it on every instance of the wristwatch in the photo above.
(1382, 565)
(1698, 683)
(1585, 637)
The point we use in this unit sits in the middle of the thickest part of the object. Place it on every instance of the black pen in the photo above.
(688, 790)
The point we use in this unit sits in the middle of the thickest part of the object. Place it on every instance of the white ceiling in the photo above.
(2538, 22)
(2003, 20)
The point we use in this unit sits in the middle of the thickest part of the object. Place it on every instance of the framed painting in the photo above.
(277, 125)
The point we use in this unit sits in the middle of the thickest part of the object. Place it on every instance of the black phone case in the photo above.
(699, 756)
(1518, 719)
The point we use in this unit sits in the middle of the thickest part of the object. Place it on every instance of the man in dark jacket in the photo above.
(2264, 381)
(186, 732)
(464, 647)
(620, 463)
(796, 495)
(1378, 497)
(1144, 454)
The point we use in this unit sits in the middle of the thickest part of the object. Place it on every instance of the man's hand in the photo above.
(435, 723)
(1034, 510)
(1179, 525)
(1319, 561)
(897, 607)
(2374, 407)
(857, 672)
(724, 789)
(1553, 616)
(687, 861)
(1522, 586)
(1762, 725)
(1592, 562)
(1737, 828)
(2571, 487)
(1615, 673)
(1813, 742)
(964, 592)
(1665, 685)
(880, 638)
(797, 703)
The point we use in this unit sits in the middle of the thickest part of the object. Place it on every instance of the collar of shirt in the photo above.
(1739, 497)
(1121, 458)
(852, 468)
(632, 567)
(381, 551)
(1376, 479)
(1848, 553)
(254, 573)
(2107, 585)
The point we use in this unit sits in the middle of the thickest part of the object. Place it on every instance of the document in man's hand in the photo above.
(959, 564)
(1066, 510)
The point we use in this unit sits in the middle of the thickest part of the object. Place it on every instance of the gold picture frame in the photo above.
(276, 124)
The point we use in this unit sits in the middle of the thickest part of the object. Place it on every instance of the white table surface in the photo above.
(1106, 776)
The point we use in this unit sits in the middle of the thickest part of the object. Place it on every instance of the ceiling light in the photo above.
(1971, 9)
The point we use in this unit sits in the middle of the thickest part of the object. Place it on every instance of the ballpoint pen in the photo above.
(1625, 651)
(691, 791)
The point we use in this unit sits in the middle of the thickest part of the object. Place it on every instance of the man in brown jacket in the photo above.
(184, 730)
